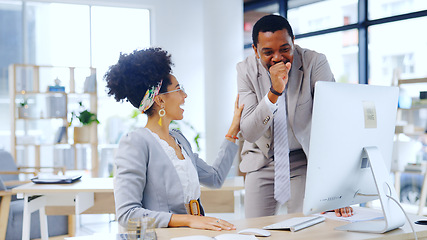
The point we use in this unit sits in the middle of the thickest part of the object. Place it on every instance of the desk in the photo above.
(87, 196)
(324, 230)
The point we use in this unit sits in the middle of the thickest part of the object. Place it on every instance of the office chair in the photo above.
(11, 209)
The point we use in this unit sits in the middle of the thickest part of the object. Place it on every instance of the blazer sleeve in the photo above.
(256, 115)
(211, 176)
(321, 70)
(131, 161)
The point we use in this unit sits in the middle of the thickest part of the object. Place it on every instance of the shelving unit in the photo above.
(35, 131)
(408, 112)
(414, 131)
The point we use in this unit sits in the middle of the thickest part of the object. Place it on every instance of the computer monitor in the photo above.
(350, 152)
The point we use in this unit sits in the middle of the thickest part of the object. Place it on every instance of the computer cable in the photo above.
(400, 206)
(404, 212)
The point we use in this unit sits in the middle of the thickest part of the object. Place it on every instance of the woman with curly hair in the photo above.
(158, 175)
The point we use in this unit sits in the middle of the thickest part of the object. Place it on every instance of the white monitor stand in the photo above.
(393, 215)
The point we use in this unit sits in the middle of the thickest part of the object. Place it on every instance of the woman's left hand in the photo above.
(210, 223)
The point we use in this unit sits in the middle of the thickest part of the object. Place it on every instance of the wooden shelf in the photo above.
(412, 80)
(28, 75)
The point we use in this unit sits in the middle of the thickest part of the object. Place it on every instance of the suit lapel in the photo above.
(294, 85)
(263, 80)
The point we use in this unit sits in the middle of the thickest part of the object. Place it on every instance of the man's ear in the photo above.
(255, 50)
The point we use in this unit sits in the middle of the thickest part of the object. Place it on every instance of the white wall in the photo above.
(178, 28)
(223, 49)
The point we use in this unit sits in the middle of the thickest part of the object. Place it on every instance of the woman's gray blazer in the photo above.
(146, 182)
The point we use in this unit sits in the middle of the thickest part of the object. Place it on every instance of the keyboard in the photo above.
(295, 224)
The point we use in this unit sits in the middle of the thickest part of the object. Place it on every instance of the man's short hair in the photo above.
(270, 23)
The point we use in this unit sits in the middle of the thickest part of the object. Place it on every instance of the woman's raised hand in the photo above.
(235, 124)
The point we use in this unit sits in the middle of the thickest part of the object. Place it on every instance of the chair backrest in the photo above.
(8, 164)
(2, 186)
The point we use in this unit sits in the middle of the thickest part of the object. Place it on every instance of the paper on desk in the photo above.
(359, 214)
(218, 237)
(97, 236)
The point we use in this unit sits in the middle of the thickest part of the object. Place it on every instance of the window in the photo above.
(10, 44)
(341, 50)
(56, 36)
(127, 31)
(366, 46)
(387, 8)
(308, 18)
(69, 35)
(250, 17)
(397, 48)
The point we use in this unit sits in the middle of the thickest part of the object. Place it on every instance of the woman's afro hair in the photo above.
(136, 72)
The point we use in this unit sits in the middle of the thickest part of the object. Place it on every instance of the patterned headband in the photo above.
(148, 99)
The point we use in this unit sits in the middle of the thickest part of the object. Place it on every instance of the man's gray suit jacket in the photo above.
(256, 123)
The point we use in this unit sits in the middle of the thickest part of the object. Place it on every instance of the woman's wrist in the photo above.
(233, 131)
(179, 220)
(231, 136)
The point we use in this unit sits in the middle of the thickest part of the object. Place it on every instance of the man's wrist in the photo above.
(275, 92)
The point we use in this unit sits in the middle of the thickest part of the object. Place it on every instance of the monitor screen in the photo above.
(347, 119)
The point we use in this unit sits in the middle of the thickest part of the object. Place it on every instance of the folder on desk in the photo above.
(56, 179)
(296, 223)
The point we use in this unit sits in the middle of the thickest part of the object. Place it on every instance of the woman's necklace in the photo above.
(176, 147)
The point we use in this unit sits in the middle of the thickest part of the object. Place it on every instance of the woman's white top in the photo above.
(185, 169)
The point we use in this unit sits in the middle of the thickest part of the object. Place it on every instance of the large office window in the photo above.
(128, 30)
(388, 8)
(80, 35)
(341, 51)
(250, 18)
(308, 18)
(397, 48)
(364, 41)
(55, 36)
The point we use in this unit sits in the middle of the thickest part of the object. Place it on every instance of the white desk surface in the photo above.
(105, 185)
(320, 231)
(324, 230)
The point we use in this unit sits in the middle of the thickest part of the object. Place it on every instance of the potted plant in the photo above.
(23, 110)
(83, 134)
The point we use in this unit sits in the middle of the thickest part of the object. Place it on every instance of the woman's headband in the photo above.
(149, 96)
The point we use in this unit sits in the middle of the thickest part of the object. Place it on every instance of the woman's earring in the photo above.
(162, 113)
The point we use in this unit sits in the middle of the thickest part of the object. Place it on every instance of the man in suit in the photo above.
(277, 67)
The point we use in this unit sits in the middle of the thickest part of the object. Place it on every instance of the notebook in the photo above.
(296, 223)
(56, 179)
